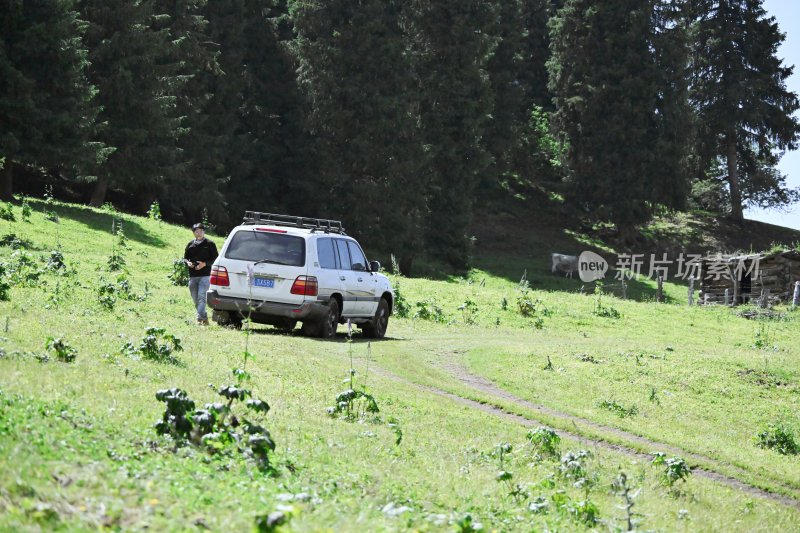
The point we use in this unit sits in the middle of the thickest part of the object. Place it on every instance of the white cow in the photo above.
(565, 263)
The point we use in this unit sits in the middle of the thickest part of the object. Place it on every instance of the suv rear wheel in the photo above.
(326, 328)
(376, 328)
(227, 319)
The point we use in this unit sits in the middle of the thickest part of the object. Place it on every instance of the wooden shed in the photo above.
(749, 277)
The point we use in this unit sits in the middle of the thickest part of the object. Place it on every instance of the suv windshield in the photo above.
(267, 247)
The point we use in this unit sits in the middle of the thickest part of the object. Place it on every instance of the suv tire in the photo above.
(325, 328)
(376, 328)
(226, 319)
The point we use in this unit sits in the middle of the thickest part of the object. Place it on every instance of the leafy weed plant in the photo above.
(157, 345)
(154, 212)
(624, 491)
(544, 443)
(618, 409)
(179, 274)
(15, 243)
(675, 469)
(778, 437)
(600, 309)
(355, 403)
(27, 211)
(469, 311)
(429, 310)
(218, 427)
(61, 349)
(7, 212)
(5, 287)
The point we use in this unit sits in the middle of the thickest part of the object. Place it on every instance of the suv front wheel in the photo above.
(376, 328)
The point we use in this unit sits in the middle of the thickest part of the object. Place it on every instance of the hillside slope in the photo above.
(474, 364)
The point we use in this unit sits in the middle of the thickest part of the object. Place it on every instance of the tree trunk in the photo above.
(99, 193)
(733, 178)
(7, 183)
(405, 264)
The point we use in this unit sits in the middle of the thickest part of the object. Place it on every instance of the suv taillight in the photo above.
(305, 286)
(219, 276)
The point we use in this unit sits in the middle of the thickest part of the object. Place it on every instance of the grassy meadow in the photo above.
(615, 379)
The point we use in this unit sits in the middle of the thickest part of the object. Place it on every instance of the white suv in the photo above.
(278, 270)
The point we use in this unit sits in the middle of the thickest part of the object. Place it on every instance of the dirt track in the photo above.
(486, 387)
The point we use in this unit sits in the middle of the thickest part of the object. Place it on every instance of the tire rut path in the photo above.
(485, 386)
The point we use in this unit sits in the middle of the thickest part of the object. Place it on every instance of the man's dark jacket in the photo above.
(205, 251)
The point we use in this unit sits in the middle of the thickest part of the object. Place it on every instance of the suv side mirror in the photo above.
(374, 266)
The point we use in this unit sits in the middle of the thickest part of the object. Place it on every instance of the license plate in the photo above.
(264, 282)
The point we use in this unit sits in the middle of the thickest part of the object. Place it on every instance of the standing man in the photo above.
(199, 255)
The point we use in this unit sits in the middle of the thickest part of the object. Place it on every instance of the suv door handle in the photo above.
(360, 280)
(342, 278)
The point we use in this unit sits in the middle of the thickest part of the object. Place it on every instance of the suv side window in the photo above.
(326, 253)
(357, 257)
(344, 254)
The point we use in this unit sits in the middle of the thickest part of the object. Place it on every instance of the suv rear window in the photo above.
(275, 248)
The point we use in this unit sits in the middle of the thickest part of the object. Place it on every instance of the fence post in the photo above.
(796, 298)
(660, 290)
(727, 296)
(624, 289)
(691, 290)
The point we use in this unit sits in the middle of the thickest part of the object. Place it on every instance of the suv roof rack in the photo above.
(314, 224)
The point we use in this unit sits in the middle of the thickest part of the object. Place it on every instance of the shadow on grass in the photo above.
(341, 336)
(102, 221)
(540, 277)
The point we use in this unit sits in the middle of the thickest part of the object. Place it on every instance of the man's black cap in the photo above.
(198, 226)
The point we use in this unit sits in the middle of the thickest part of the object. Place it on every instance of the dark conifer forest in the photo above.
(401, 118)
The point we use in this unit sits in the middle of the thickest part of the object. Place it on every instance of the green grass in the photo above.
(80, 452)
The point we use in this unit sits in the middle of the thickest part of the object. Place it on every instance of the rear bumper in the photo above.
(309, 310)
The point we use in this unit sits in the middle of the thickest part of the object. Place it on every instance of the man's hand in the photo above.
(189, 264)
(200, 265)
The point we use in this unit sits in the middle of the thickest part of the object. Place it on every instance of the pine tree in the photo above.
(740, 94)
(138, 117)
(263, 155)
(518, 76)
(364, 112)
(451, 42)
(46, 103)
(675, 121)
(616, 108)
(192, 184)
